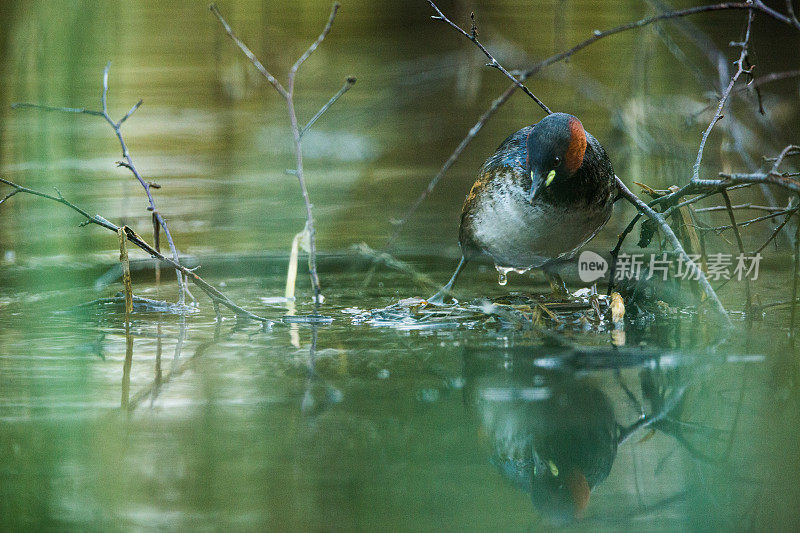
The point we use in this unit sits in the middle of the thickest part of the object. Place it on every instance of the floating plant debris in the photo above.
(583, 309)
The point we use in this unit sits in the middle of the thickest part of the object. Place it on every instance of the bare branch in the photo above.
(615, 252)
(777, 229)
(740, 69)
(100, 221)
(745, 223)
(740, 206)
(676, 245)
(136, 106)
(748, 300)
(315, 44)
(76, 110)
(473, 36)
(348, 83)
(288, 95)
(9, 195)
(138, 241)
(127, 163)
(773, 176)
(758, 4)
(253, 59)
(725, 6)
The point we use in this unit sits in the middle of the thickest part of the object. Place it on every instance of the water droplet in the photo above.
(502, 273)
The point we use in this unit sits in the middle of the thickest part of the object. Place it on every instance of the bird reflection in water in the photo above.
(552, 429)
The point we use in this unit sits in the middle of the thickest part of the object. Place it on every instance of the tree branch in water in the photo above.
(216, 296)
(287, 93)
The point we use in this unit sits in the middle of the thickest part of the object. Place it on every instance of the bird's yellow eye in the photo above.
(550, 177)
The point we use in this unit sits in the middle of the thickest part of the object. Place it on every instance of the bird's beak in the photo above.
(538, 184)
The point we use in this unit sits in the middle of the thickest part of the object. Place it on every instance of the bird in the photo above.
(545, 192)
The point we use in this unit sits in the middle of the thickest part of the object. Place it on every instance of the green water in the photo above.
(356, 425)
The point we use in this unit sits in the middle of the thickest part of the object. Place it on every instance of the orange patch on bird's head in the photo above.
(573, 159)
(579, 490)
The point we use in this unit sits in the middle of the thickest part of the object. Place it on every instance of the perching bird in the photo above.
(546, 191)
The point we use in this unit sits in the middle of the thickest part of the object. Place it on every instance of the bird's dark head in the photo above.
(556, 146)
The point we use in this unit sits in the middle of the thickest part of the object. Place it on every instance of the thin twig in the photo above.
(776, 231)
(773, 176)
(757, 83)
(740, 69)
(772, 305)
(288, 94)
(77, 110)
(130, 112)
(473, 36)
(127, 160)
(134, 238)
(739, 243)
(746, 223)
(250, 55)
(325, 31)
(676, 245)
(724, 6)
(739, 206)
(7, 196)
(348, 83)
(615, 251)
